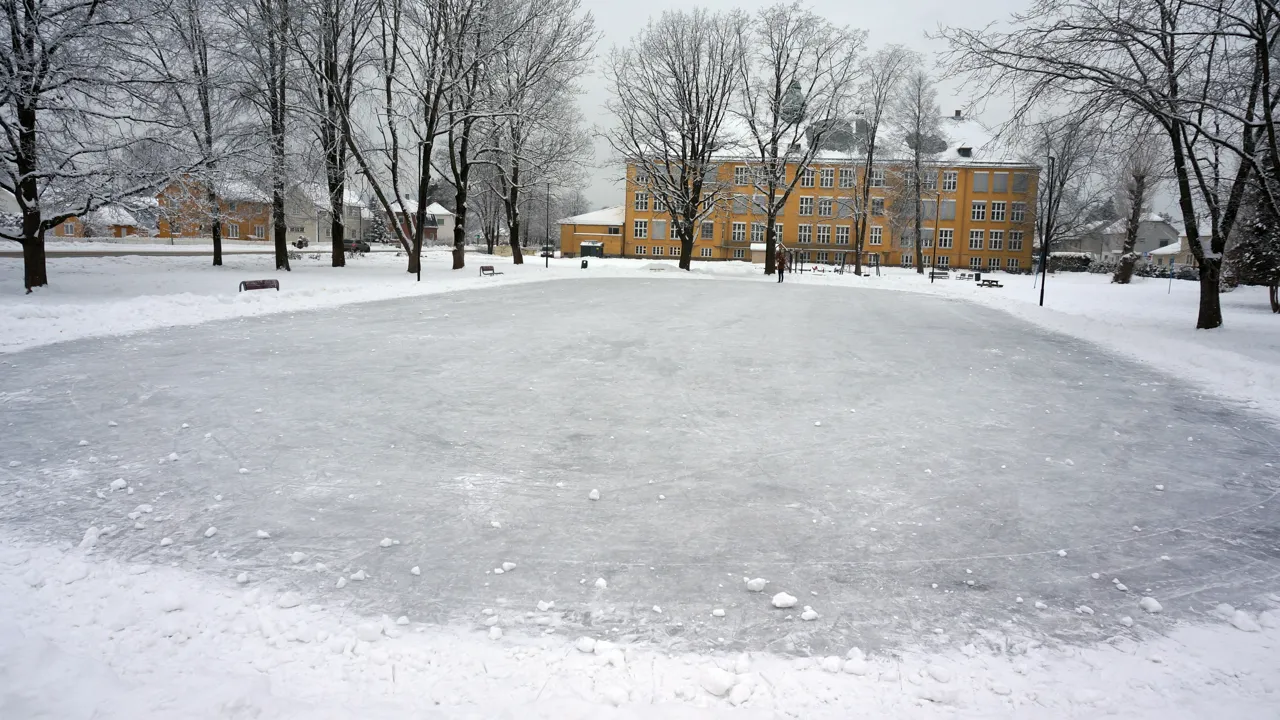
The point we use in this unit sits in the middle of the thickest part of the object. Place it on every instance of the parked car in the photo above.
(355, 246)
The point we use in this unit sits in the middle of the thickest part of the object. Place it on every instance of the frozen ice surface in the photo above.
(758, 490)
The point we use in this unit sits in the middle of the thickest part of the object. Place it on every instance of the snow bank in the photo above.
(145, 642)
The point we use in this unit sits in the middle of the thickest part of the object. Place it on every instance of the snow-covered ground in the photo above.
(938, 481)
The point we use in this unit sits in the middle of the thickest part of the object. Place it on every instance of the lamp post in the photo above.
(937, 213)
(1044, 234)
(546, 245)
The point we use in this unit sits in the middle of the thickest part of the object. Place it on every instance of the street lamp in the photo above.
(937, 213)
(1044, 234)
(546, 245)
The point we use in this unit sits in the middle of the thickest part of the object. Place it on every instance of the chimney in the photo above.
(958, 116)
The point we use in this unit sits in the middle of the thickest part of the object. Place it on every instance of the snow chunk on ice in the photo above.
(1126, 621)
(718, 612)
(593, 495)
(939, 673)
(118, 484)
(82, 443)
(1241, 621)
(386, 542)
(244, 471)
(369, 632)
(1150, 604)
(809, 614)
(783, 600)
(544, 605)
(289, 600)
(211, 532)
(817, 423)
(585, 645)
(601, 584)
(297, 557)
(832, 664)
(359, 575)
(1160, 488)
(242, 578)
(717, 681)
(1084, 610)
(756, 585)
(495, 633)
(171, 602)
(90, 539)
(415, 570)
(508, 566)
(264, 535)
(342, 582)
(1041, 606)
(495, 524)
(166, 542)
(1062, 553)
(112, 423)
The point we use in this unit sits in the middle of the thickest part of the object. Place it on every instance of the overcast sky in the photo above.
(887, 22)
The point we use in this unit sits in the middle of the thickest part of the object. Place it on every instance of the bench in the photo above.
(488, 270)
(990, 283)
(259, 285)
(939, 275)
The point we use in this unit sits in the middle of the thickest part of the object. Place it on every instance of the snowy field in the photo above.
(374, 508)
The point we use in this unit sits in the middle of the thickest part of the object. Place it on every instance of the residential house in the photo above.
(1177, 255)
(439, 225)
(307, 213)
(597, 232)
(112, 221)
(245, 211)
(979, 200)
(1105, 240)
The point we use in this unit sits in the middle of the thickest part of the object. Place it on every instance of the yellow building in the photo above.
(985, 220)
(602, 226)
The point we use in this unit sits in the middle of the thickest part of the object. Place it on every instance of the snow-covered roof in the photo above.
(318, 194)
(1118, 227)
(112, 215)
(1168, 250)
(242, 191)
(438, 210)
(607, 216)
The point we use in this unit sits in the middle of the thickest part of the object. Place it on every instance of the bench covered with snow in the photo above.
(488, 270)
(259, 285)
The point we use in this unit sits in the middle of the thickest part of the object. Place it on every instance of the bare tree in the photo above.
(672, 87)
(917, 116)
(331, 37)
(1169, 60)
(882, 74)
(263, 29)
(70, 112)
(539, 132)
(1139, 177)
(796, 85)
(1070, 188)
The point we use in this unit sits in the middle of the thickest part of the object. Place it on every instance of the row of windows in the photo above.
(996, 182)
(231, 231)
(805, 235)
(673, 250)
(1001, 210)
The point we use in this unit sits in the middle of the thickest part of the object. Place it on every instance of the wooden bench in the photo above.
(939, 275)
(488, 270)
(990, 283)
(259, 285)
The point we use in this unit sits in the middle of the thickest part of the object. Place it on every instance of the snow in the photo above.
(756, 584)
(783, 600)
(593, 495)
(786, 513)
(1150, 604)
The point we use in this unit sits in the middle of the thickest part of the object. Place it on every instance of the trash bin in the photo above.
(584, 264)
(977, 276)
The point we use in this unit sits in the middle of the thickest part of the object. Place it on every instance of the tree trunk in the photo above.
(770, 242)
(686, 253)
(216, 223)
(517, 255)
(339, 233)
(1210, 305)
(35, 274)
(1124, 270)
(1275, 298)
(337, 207)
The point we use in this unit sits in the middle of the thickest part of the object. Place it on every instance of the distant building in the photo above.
(245, 211)
(1105, 240)
(601, 230)
(978, 207)
(307, 215)
(438, 227)
(112, 221)
(1178, 255)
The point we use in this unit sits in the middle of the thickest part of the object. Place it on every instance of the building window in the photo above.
(233, 206)
(824, 207)
(975, 239)
(739, 232)
(757, 232)
(979, 211)
(997, 212)
(233, 230)
(806, 178)
(705, 252)
(994, 263)
(995, 241)
(641, 230)
(822, 257)
(658, 204)
(877, 236)
(950, 180)
(975, 263)
(877, 206)
(328, 230)
(946, 236)
(944, 261)
(948, 210)
(708, 230)
(908, 260)
(827, 177)
(260, 231)
(742, 175)
(658, 250)
(739, 253)
(824, 234)
(1000, 182)
(877, 178)
(806, 206)
(1021, 183)
(804, 234)
(777, 232)
(926, 237)
(1015, 239)
(1018, 212)
(930, 181)
(980, 182)
(68, 228)
(642, 202)
(642, 176)
(804, 256)
(675, 252)
(640, 250)
(615, 230)
(842, 234)
(848, 177)
(1012, 264)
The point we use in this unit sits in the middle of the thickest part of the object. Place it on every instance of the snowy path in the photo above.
(717, 423)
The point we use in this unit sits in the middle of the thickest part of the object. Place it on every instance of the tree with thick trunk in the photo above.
(673, 85)
(1140, 172)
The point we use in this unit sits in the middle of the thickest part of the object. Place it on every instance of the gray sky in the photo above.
(902, 22)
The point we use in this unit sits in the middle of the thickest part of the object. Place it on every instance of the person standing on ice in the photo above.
(782, 264)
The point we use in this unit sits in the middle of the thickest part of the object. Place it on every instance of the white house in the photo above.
(1105, 241)
(307, 215)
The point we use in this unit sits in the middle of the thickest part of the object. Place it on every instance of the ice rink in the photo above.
(905, 465)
